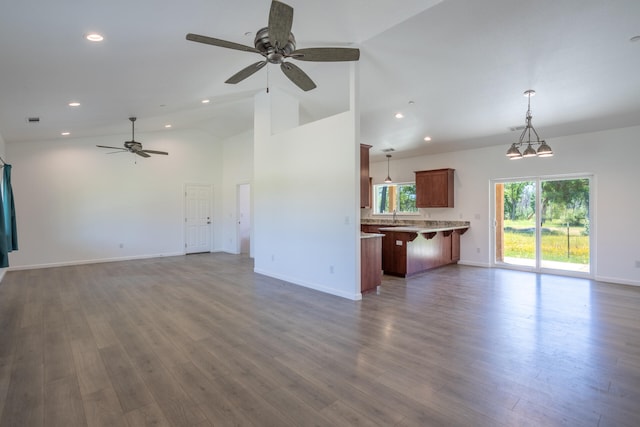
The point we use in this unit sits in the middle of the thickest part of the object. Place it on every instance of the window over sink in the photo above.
(397, 197)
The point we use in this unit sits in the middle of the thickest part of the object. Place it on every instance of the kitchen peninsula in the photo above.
(411, 247)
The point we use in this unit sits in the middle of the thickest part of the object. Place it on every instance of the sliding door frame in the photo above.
(538, 251)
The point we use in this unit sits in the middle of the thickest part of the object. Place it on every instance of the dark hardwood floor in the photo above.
(201, 340)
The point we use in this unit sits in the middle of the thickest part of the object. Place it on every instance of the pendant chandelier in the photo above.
(388, 180)
(543, 150)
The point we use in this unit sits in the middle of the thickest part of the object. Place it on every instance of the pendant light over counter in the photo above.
(388, 180)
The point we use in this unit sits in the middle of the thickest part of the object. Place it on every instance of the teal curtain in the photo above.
(8, 227)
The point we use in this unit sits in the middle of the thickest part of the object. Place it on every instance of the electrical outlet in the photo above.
(273, 257)
(477, 250)
(331, 269)
(121, 245)
(637, 263)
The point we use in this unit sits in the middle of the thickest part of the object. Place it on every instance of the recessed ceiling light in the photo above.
(427, 138)
(399, 115)
(74, 104)
(167, 126)
(634, 39)
(411, 102)
(94, 37)
(65, 133)
(205, 101)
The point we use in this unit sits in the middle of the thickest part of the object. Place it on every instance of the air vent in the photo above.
(33, 119)
(515, 128)
(387, 150)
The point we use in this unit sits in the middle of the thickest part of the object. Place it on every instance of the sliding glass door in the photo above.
(543, 224)
(516, 237)
(565, 225)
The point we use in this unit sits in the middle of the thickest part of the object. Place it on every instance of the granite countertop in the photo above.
(416, 223)
(405, 229)
(370, 235)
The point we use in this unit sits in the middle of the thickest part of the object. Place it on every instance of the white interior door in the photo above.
(197, 221)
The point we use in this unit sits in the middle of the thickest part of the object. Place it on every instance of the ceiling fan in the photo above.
(134, 146)
(277, 43)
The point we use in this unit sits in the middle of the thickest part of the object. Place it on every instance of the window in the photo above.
(390, 198)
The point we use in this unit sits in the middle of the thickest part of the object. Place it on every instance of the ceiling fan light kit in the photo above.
(276, 43)
(544, 150)
(133, 146)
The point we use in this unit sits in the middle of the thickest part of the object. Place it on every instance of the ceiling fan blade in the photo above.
(326, 54)
(141, 153)
(280, 21)
(114, 148)
(297, 76)
(245, 72)
(220, 43)
(154, 152)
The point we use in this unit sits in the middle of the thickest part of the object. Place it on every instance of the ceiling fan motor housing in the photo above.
(274, 55)
(133, 145)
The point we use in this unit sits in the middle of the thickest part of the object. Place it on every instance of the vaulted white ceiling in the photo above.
(463, 64)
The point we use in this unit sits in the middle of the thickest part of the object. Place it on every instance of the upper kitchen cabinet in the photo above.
(365, 188)
(434, 188)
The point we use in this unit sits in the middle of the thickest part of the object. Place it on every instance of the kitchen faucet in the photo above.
(394, 216)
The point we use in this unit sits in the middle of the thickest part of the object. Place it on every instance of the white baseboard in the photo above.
(617, 280)
(474, 264)
(91, 261)
(314, 286)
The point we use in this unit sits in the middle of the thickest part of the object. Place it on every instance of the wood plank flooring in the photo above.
(202, 341)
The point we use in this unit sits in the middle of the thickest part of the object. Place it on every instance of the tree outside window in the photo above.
(398, 198)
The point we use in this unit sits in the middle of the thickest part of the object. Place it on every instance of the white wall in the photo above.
(611, 156)
(75, 203)
(306, 215)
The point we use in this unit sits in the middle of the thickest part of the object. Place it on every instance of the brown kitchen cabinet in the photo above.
(370, 228)
(434, 188)
(370, 262)
(365, 182)
(455, 245)
(405, 253)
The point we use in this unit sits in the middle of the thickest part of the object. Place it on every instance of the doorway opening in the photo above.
(544, 224)
(244, 219)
